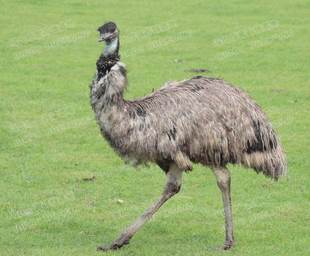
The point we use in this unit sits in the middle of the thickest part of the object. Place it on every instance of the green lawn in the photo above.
(49, 140)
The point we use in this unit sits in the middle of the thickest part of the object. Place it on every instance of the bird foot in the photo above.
(228, 244)
(117, 244)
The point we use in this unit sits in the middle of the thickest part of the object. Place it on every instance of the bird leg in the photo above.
(223, 181)
(173, 185)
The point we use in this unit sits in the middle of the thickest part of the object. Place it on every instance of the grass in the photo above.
(50, 141)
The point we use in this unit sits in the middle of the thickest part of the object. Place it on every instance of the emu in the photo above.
(199, 120)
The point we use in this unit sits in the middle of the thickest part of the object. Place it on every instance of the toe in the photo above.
(228, 244)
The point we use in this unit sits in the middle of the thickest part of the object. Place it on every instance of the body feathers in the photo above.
(201, 120)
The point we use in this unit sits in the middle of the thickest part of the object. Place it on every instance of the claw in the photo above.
(103, 248)
(111, 247)
(117, 244)
(228, 244)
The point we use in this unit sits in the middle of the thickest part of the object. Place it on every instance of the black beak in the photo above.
(106, 37)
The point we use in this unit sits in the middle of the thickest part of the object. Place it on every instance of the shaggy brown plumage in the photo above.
(201, 120)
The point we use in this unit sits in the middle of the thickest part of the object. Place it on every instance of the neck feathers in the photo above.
(108, 91)
(108, 59)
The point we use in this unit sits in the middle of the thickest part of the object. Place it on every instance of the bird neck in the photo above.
(108, 91)
(111, 47)
(108, 103)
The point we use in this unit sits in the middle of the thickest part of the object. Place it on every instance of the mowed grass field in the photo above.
(63, 190)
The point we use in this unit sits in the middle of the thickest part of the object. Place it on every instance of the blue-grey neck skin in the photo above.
(111, 47)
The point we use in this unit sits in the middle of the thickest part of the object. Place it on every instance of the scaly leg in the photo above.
(223, 181)
(173, 185)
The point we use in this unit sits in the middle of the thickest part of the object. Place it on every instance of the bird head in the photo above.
(108, 33)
